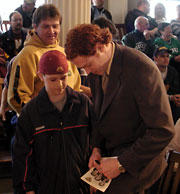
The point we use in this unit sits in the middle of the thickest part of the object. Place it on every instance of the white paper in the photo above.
(96, 180)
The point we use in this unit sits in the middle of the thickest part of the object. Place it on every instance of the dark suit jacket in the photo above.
(135, 121)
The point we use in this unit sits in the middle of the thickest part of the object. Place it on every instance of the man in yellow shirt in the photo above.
(24, 83)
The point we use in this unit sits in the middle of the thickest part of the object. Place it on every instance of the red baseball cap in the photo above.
(53, 62)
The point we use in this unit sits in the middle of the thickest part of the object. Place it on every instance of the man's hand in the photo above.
(147, 34)
(177, 58)
(96, 155)
(110, 167)
(3, 113)
(30, 192)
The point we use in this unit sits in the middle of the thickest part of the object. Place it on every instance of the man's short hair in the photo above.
(11, 14)
(44, 11)
(162, 25)
(140, 2)
(82, 40)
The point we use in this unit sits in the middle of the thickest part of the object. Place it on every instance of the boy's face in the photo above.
(167, 31)
(48, 30)
(162, 60)
(55, 84)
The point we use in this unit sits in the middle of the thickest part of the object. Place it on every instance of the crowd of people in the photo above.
(100, 102)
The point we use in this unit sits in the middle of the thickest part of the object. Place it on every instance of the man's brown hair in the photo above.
(82, 40)
(44, 11)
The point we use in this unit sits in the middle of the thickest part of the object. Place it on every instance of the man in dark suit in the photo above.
(134, 121)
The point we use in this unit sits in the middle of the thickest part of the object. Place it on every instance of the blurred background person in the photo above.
(175, 24)
(13, 39)
(159, 13)
(103, 22)
(171, 79)
(143, 9)
(26, 10)
(139, 38)
(98, 10)
(168, 40)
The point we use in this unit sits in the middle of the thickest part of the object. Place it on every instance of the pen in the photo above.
(97, 161)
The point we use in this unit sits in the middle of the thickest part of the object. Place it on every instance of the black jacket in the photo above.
(8, 43)
(51, 147)
(136, 39)
(133, 14)
(27, 20)
(100, 12)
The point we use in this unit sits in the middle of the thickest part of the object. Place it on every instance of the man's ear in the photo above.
(41, 76)
(99, 47)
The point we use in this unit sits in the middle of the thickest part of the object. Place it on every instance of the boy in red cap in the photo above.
(51, 149)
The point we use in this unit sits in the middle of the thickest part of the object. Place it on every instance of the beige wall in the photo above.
(132, 4)
(118, 9)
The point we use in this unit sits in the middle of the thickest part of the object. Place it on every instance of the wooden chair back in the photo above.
(171, 177)
(121, 29)
(5, 25)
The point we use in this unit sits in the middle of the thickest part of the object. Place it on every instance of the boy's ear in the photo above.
(41, 76)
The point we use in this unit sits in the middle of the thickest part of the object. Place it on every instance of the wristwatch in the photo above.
(121, 168)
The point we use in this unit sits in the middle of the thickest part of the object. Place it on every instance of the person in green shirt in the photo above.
(169, 41)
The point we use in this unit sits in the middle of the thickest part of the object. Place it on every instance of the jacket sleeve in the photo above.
(22, 78)
(128, 40)
(154, 110)
(129, 22)
(24, 175)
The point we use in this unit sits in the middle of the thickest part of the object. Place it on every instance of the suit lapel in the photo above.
(114, 81)
(97, 91)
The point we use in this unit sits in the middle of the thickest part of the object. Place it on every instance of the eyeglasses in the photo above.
(16, 20)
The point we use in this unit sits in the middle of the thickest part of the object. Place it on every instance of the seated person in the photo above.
(98, 10)
(175, 24)
(143, 8)
(103, 22)
(53, 132)
(170, 78)
(13, 39)
(26, 10)
(168, 40)
(139, 38)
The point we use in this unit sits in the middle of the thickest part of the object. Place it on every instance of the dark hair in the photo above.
(44, 11)
(162, 25)
(82, 40)
(103, 22)
(11, 14)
